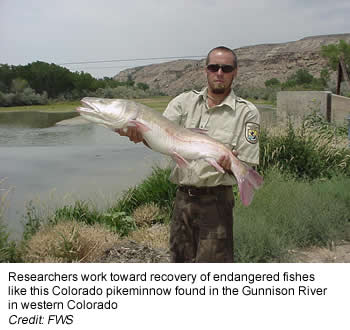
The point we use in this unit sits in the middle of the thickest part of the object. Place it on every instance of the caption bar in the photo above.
(63, 298)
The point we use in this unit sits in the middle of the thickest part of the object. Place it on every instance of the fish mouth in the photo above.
(85, 102)
(87, 106)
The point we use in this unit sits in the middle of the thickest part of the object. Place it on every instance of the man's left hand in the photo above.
(225, 161)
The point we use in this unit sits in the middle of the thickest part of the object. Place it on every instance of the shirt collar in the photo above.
(230, 100)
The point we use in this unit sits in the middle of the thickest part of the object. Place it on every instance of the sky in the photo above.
(71, 31)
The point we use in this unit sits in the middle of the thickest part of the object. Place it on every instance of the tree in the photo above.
(18, 85)
(334, 51)
(302, 77)
(7, 74)
(142, 86)
(84, 81)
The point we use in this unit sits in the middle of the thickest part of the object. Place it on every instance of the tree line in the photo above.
(39, 82)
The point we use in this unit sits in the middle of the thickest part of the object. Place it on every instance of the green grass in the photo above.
(54, 107)
(288, 214)
(157, 103)
(261, 101)
(156, 189)
(306, 153)
(7, 248)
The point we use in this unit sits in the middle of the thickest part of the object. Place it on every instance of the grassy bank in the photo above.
(54, 107)
(157, 103)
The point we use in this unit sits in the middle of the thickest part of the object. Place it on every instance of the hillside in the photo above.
(256, 63)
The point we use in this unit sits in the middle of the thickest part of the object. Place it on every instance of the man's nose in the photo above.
(220, 72)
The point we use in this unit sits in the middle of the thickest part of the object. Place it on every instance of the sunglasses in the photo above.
(216, 67)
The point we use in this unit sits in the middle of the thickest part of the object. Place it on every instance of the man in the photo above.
(202, 223)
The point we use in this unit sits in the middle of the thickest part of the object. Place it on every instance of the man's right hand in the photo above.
(132, 133)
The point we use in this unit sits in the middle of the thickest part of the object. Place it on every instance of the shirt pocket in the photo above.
(224, 135)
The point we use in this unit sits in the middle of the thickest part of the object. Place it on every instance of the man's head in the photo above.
(221, 69)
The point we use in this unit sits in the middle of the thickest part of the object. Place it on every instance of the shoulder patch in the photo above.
(252, 131)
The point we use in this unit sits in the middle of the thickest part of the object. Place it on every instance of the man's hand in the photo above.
(132, 133)
(225, 161)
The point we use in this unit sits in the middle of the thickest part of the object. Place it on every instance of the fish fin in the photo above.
(255, 178)
(246, 191)
(140, 126)
(179, 160)
(214, 163)
(199, 130)
(247, 183)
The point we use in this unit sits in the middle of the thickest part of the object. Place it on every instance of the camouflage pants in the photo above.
(202, 226)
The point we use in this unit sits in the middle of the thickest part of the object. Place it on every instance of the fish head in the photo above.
(115, 113)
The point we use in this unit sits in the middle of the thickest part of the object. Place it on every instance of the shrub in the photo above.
(258, 93)
(147, 214)
(305, 153)
(272, 82)
(155, 237)
(25, 97)
(68, 241)
(142, 86)
(120, 222)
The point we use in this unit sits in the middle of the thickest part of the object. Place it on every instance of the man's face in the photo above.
(220, 82)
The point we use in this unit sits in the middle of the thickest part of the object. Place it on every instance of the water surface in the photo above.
(55, 165)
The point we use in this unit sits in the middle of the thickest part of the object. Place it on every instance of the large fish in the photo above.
(168, 138)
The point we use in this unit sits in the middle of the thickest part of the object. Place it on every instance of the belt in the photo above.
(199, 191)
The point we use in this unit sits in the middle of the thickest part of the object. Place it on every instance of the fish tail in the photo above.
(247, 184)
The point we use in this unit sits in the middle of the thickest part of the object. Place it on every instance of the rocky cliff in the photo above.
(256, 64)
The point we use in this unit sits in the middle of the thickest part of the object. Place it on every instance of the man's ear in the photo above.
(235, 73)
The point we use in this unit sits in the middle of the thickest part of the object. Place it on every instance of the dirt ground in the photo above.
(128, 251)
(337, 254)
(133, 252)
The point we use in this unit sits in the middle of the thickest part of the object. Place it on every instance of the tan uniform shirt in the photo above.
(234, 122)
